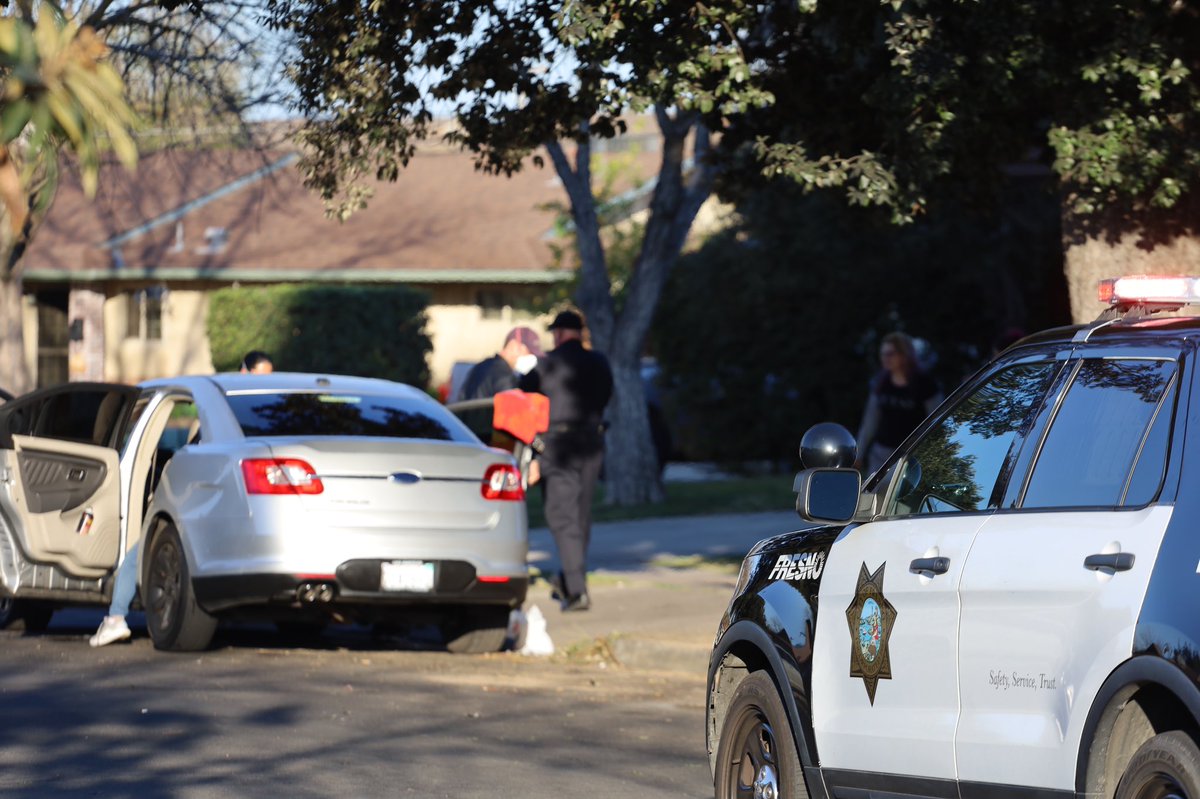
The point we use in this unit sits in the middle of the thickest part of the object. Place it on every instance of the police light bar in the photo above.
(1150, 290)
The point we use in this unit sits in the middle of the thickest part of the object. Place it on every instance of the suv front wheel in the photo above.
(757, 755)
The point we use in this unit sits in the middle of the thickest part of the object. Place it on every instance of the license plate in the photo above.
(406, 575)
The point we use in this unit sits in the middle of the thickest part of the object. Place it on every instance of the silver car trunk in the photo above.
(401, 483)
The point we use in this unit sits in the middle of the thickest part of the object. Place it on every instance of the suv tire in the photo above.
(1167, 765)
(757, 754)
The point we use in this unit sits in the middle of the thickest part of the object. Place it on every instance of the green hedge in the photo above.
(370, 331)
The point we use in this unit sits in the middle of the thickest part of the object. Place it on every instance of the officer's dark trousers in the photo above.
(570, 467)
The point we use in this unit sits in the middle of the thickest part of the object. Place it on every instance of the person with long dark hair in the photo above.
(902, 395)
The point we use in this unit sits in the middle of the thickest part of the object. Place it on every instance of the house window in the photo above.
(492, 304)
(53, 335)
(144, 319)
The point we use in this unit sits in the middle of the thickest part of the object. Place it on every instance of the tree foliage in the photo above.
(377, 79)
(83, 78)
(534, 81)
(60, 88)
(1104, 93)
(774, 324)
(890, 102)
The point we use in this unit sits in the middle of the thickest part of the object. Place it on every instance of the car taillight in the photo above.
(280, 476)
(502, 481)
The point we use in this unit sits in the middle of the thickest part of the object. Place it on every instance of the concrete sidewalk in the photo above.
(643, 543)
(645, 614)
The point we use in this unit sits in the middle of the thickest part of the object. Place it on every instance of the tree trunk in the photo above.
(1118, 243)
(631, 472)
(23, 204)
(630, 453)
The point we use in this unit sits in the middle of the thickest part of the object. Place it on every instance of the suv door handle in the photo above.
(1117, 561)
(934, 565)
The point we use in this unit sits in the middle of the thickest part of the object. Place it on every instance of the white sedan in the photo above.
(294, 497)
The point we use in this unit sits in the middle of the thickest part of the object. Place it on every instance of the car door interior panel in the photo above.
(55, 482)
(66, 496)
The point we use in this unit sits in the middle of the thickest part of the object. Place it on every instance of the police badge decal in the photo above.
(870, 617)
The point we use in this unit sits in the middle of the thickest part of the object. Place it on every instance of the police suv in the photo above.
(1002, 610)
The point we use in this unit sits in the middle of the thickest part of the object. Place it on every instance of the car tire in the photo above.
(16, 614)
(9, 612)
(1167, 765)
(477, 632)
(36, 615)
(757, 754)
(176, 623)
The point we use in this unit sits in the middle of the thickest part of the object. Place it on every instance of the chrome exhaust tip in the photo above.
(313, 593)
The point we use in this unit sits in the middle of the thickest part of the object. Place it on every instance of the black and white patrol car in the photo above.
(1004, 609)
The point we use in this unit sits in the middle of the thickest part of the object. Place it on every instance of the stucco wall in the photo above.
(29, 323)
(183, 349)
(461, 333)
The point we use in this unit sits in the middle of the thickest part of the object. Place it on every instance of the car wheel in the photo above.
(757, 755)
(477, 632)
(16, 614)
(1165, 767)
(173, 618)
(8, 612)
(36, 616)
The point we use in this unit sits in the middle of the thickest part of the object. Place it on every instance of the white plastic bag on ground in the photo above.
(536, 639)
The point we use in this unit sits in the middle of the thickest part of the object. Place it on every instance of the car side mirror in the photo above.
(827, 495)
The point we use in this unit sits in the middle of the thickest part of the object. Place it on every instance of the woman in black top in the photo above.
(902, 395)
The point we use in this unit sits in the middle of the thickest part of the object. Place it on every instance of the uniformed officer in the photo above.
(579, 383)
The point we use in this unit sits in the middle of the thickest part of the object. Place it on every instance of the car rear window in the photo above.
(333, 414)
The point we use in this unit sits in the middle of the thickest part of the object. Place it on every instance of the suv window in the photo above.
(1103, 425)
(957, 465)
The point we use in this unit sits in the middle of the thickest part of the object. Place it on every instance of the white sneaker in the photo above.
(113, 628)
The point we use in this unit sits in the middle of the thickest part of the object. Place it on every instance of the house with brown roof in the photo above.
(117, 286)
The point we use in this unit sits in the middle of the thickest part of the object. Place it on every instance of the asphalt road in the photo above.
(346, 718)
(618, 711)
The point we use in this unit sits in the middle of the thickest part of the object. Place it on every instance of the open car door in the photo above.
(60, 484)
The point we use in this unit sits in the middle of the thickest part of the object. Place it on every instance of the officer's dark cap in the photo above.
(567, 320)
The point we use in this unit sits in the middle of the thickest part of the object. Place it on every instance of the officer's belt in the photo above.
(575, 427)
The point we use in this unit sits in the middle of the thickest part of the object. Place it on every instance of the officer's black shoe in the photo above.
(557, 587)
(581, 602)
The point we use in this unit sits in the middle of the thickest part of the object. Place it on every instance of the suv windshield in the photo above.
(313, 414)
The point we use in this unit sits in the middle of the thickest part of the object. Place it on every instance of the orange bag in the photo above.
(521, 414)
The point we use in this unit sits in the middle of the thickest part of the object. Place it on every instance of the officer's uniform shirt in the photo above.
(579, 383)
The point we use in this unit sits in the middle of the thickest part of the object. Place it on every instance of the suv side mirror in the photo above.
(827, 495)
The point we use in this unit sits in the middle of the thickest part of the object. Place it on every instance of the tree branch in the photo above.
(595, 289)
